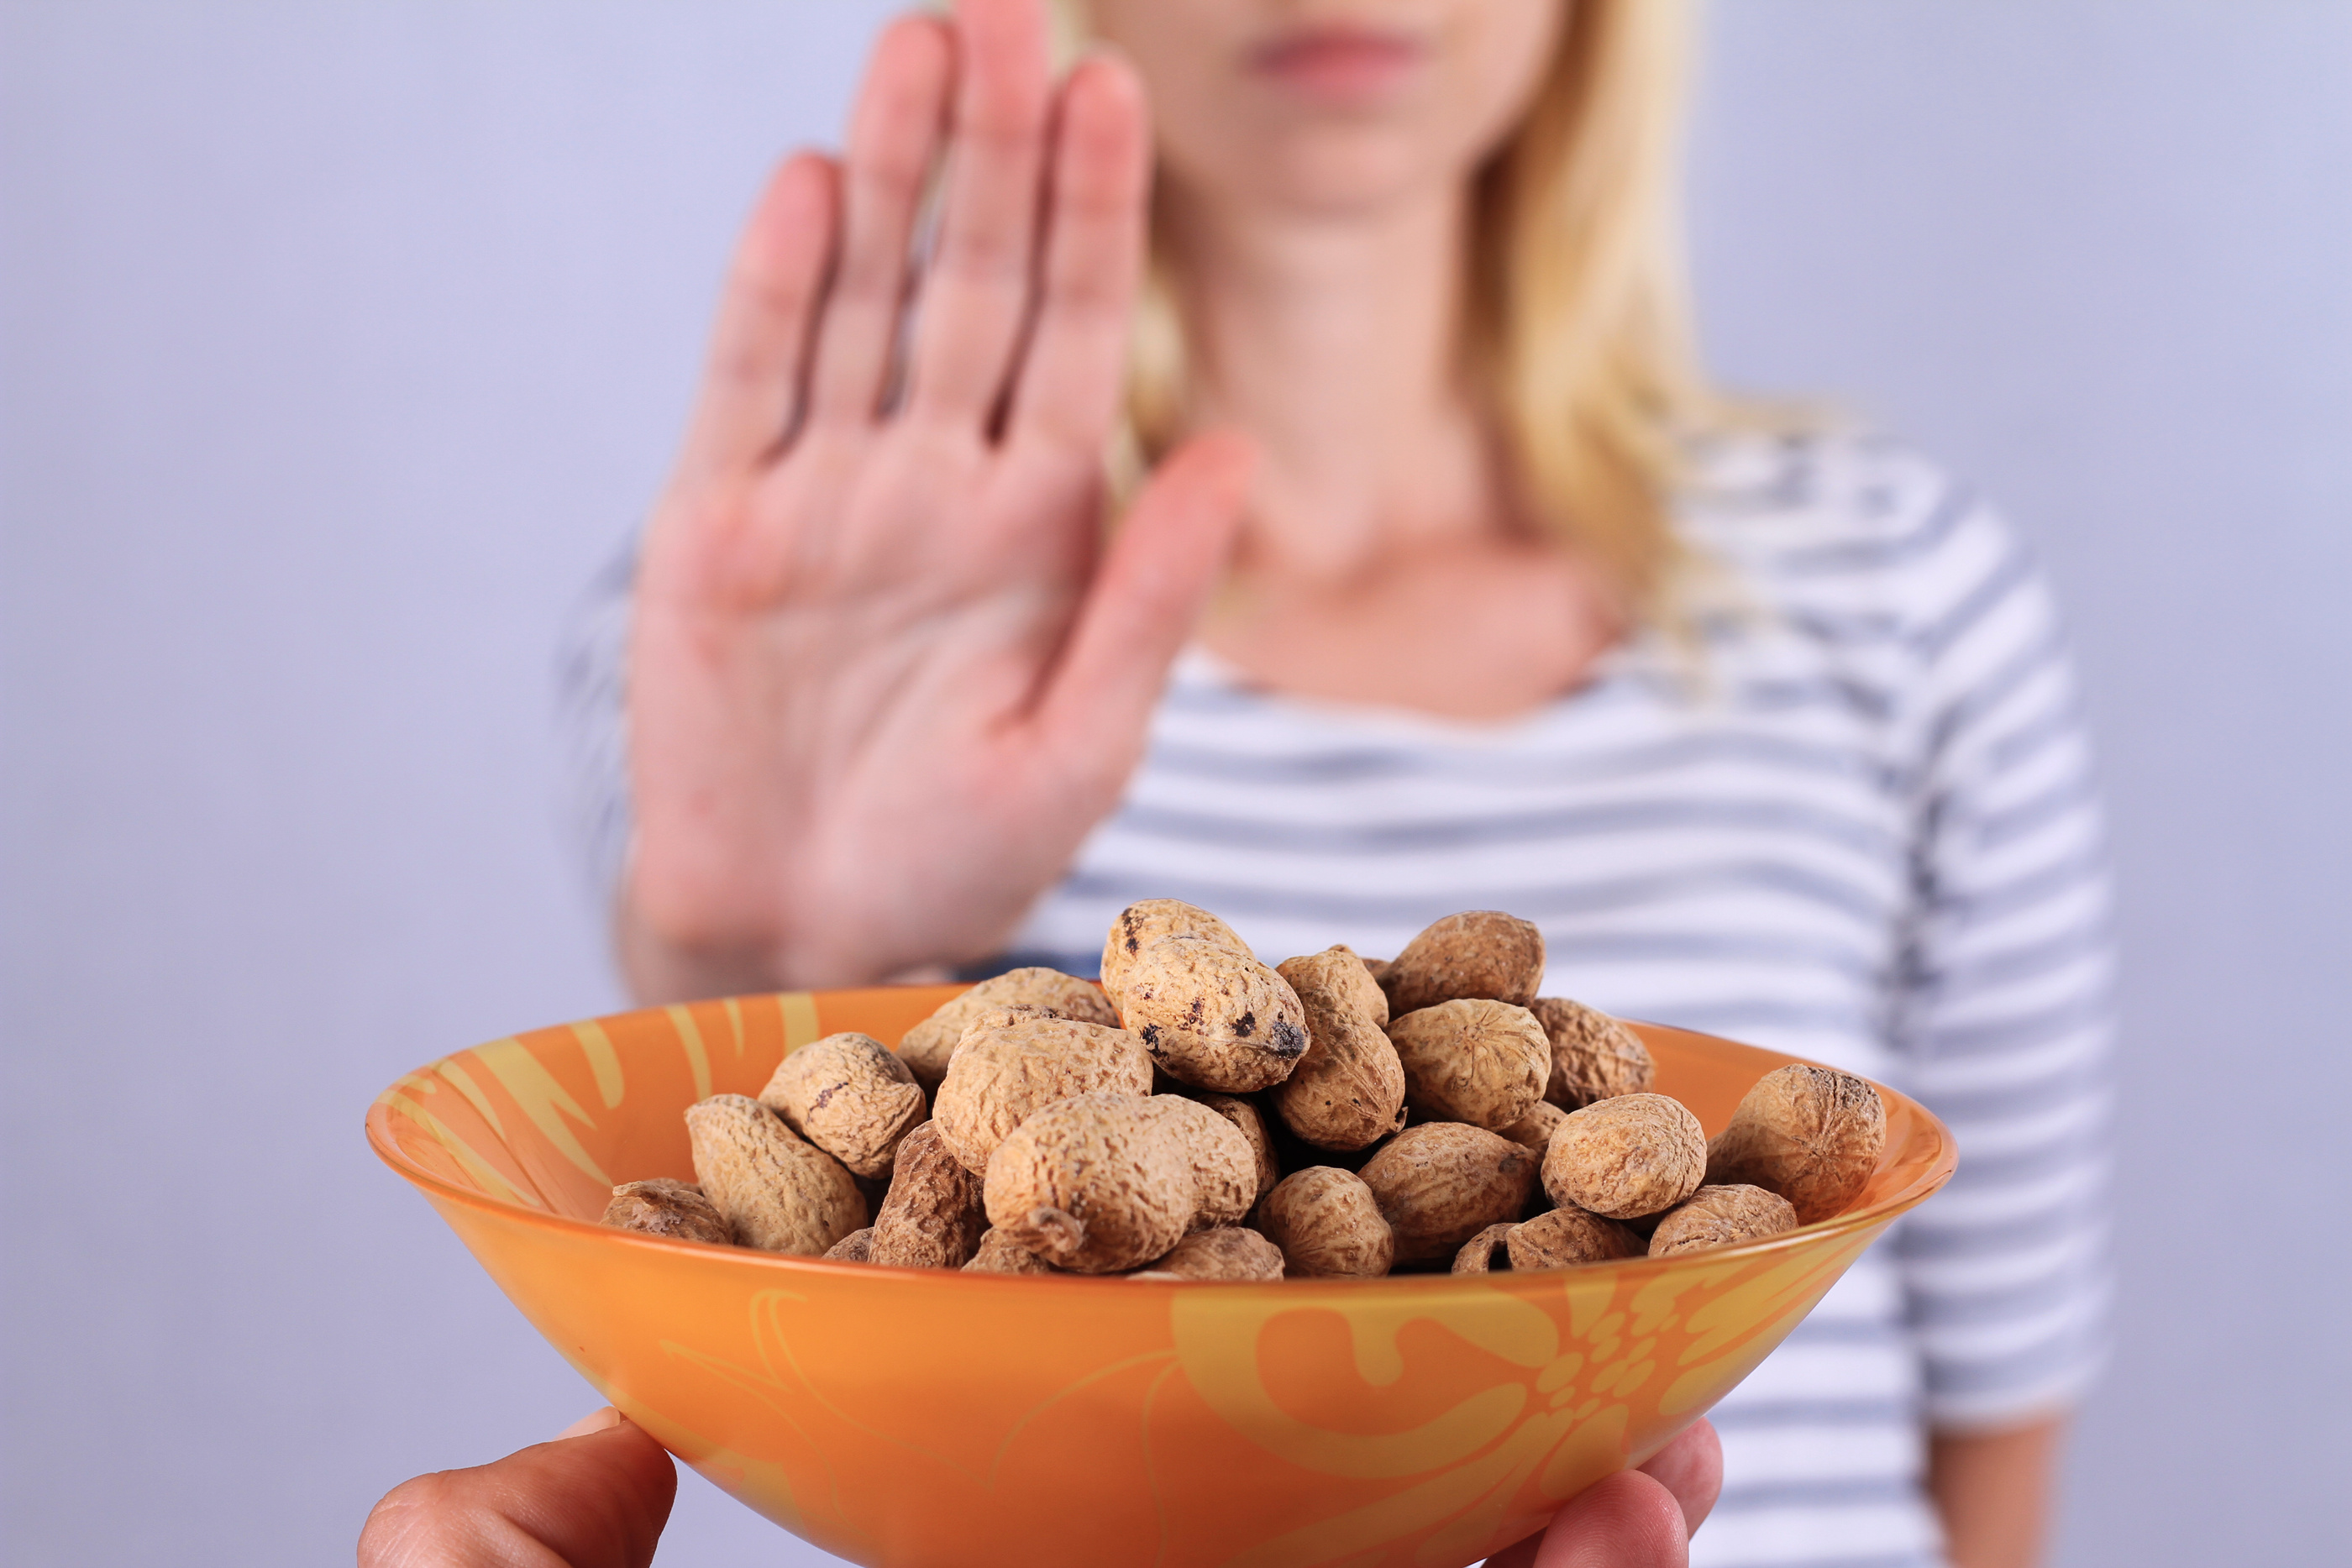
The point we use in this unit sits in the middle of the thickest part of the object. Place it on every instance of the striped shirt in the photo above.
(1858, 824)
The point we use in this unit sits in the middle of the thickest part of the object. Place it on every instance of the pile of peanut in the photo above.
(1427, 1108)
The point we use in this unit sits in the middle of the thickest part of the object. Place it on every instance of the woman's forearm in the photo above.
(1994, 1492)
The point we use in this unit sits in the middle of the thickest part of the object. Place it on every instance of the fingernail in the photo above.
(595, 1421)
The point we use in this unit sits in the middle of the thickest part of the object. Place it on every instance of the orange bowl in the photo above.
(908, 1416)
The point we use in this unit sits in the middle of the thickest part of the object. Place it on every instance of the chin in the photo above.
(1342, 169)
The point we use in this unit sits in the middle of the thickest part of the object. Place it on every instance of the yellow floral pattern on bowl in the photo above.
(904, 1417)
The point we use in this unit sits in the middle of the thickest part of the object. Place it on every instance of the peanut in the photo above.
(661, 1207)
(933, 1216)
(1327, 1223)
(1000, 1254)
(1534, 1130)
(1557, 1238)
(1721, 1217)
(857, 1247)
(1624, 1156)
(777, 1192)
(1483, 1251)
(1212, 1017)
(1225, 1252)
(1441, 1183)
(1245, 1116)
(927, 1047)
(1140, 925)
(1813, 1135)
(1481, 954)
(1223, 1165)
(1347, 1091)
(1099, 1183)
(850, 1096)
(1564, 1238)
(1475, 1061)
(1593, 1056)
(998, 1076)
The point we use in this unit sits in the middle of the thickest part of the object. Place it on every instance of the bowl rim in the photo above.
(1925, 1122)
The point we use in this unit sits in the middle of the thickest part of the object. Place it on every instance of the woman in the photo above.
(1472, 596)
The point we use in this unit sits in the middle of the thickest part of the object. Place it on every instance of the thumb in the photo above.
(597, 1497)
(1149, 591)
(1625, 1521)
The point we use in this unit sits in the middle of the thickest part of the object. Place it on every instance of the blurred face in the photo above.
(1331, 105)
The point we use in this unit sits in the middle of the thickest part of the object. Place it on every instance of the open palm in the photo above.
(884, 671)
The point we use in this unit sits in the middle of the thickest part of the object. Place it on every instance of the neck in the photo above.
(1334, 341)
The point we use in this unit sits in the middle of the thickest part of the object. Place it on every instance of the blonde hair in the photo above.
(1579, 333)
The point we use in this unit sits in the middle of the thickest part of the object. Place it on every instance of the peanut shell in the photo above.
(1000, 1254)
(850, 1096)
(1479, 954)
(1534, 1130)
(933, 1216)
(1211, 1017)
(1099, 1183)
(1720, 1217)
(1141, 923)
(779, 1193)
(857, 1247)
(1565, 1237)
(1347, 1090)
(1341, 976)
(1625, 1156)
(661, 1207)
(1245, 1116)
(1480, 1254)
(999, 1076)
(1223, 1166)
(927, 1047)
(1593, 1056)
(1475, 1061)
(1225, 1252)
(1441, 1183)
(1327, 1224)
(1813, 1135)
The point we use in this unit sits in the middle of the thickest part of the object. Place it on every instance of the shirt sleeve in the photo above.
(591, 716)
(2004, 1010)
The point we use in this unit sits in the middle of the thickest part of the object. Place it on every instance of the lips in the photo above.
(1339, 64)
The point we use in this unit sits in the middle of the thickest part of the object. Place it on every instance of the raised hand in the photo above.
(884, 671)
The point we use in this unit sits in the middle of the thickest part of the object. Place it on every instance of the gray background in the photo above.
(339, 344)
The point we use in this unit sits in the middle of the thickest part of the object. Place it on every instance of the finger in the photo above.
(593, 1500)
(1149, 591)
(753, 380)
(894, 132)
(976, 288)
(1691, 1468)
(1624, 1521)
(1068, 390)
